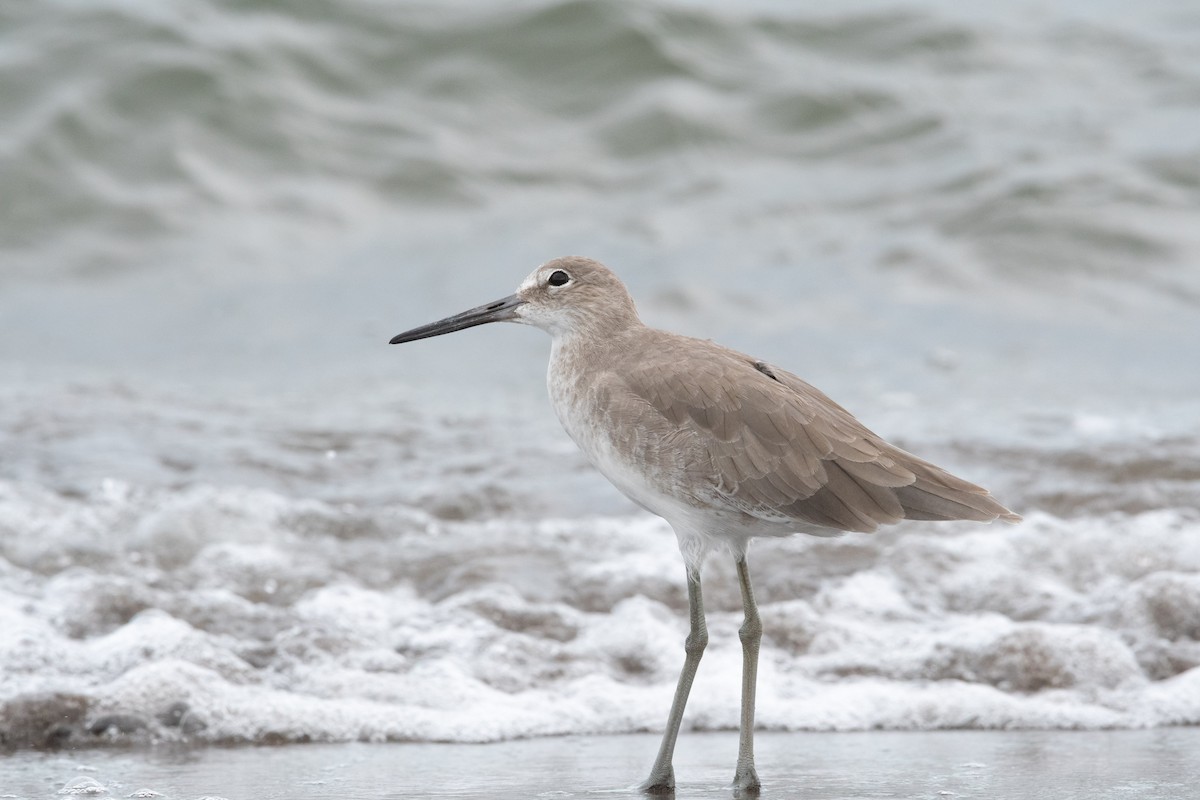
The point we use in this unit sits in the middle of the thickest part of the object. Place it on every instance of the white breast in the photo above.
(698, 528)
(589, 431)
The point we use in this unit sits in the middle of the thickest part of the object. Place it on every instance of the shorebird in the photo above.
(725, 447)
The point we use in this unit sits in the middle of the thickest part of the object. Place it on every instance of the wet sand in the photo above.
(1161, 763)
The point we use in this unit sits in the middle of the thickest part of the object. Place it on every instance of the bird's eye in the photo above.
(558, 278)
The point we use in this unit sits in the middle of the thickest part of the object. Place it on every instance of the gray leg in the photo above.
(745, 779)
(662, 775)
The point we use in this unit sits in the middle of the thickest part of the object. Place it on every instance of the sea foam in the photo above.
(231, 615)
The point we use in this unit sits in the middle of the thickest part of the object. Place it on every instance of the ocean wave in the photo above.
(233, 615)
(970, 146)
(974, 226)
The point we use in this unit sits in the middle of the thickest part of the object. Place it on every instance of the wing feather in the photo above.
(765, 442)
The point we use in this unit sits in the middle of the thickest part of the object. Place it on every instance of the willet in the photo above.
(723, 446)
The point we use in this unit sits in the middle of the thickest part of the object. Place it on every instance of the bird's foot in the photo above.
(745, 782)
(660, 783)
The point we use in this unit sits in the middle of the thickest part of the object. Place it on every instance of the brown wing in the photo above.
(780, 450)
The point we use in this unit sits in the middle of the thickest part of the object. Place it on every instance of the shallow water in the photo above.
(975, 764)
(229, 513)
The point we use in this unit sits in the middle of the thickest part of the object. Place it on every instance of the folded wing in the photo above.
(780, 450)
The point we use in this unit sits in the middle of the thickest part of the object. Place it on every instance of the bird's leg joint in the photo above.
(695, 642)
(751, 630)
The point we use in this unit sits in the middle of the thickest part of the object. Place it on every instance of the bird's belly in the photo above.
(655, 477)
(615, 460)
(646, 475)
(657, 471)
(623, 470)
(634, 483)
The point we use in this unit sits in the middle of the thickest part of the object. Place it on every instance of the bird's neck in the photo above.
(592, 338)
(596, 329)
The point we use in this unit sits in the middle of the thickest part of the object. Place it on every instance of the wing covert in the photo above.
(776, 448)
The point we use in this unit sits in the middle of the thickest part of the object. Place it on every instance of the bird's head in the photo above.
(565, 296)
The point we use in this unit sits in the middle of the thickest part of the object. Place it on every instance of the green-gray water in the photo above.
(230, 513)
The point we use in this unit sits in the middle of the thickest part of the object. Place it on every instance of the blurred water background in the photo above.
(229, 512)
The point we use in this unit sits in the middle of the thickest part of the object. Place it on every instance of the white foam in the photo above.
(267, 622)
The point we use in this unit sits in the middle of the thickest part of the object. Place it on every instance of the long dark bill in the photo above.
(498, 311)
